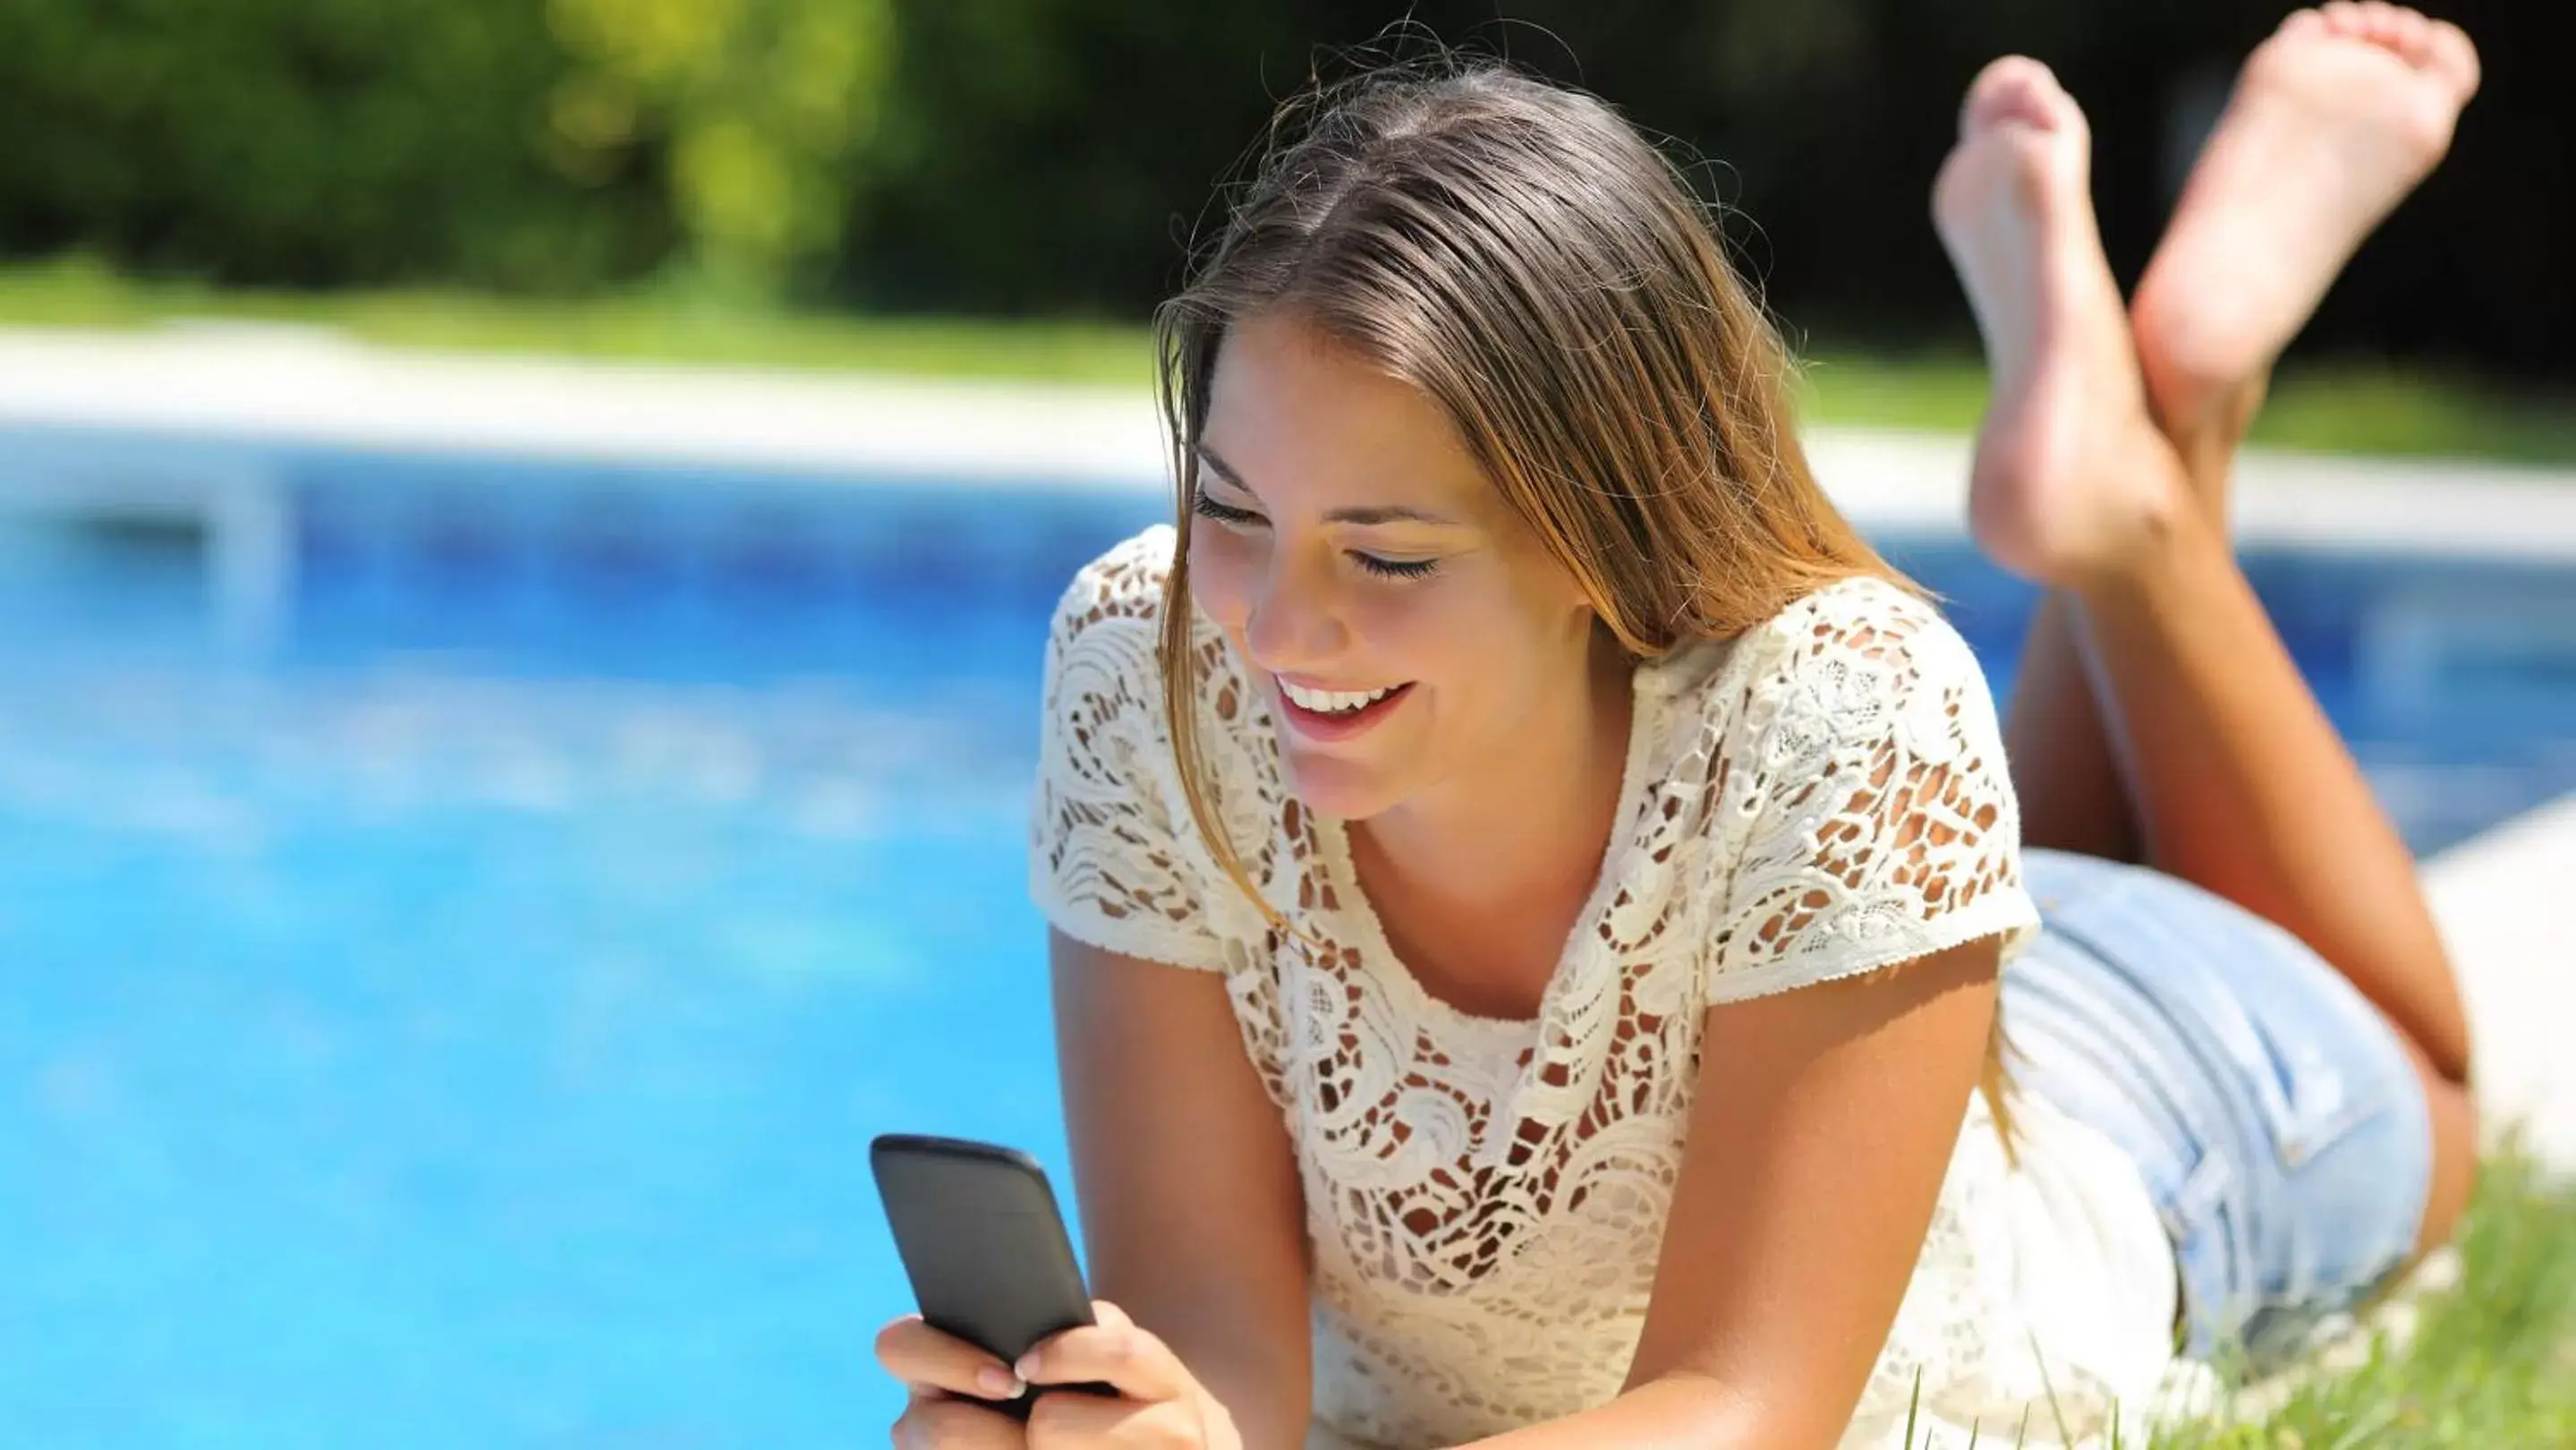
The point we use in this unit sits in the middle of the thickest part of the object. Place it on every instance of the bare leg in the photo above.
(2336, 117)
(2334, 120)
(2072, 796)
(2238, 781)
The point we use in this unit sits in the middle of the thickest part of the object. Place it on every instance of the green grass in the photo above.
(641, 327)
(2492, 1363)
(2337, 407)
(2351, 408)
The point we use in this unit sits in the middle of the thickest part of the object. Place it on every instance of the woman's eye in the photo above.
(1208, 508)
(1235, 518)
(1396, 568)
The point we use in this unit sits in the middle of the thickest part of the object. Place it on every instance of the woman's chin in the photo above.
(1336, 786)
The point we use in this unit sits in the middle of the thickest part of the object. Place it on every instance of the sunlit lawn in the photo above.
(2493, 1360)
(2343, 407)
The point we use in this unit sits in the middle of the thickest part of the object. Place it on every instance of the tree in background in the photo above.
(314, 141)
(757, 110)
(1021, 157)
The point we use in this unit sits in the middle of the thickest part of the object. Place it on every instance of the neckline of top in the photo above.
(1647, 701)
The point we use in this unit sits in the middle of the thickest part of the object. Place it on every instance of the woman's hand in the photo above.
(953, 1389)
(1159, 1405)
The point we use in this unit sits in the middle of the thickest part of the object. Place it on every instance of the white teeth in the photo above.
(1332, 702)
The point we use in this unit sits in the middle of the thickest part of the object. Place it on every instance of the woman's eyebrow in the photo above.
(1388, 514)
(1361, 516)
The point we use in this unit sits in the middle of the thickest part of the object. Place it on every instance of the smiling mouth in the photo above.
(1326, 716)
(1334, 702)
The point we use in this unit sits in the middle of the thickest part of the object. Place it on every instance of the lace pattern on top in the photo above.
(1485, 1200)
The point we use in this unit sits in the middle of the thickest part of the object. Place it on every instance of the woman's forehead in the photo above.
(1291, 409)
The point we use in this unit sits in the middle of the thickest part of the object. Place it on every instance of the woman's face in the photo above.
(1353, 552)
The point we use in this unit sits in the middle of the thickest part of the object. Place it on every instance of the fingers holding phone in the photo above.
(958, 1391)
(1009, 1349)
(951, 1424)
(1113, 1353)
(1158, 1402)
(931, 1362)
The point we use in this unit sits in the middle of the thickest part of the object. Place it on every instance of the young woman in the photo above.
(1539, 905)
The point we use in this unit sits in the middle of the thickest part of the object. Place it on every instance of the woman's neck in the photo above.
(1530, 826)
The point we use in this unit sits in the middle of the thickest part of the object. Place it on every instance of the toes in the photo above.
(2379, 22)
(2449, 51)
(2303, 21)
(2015, 88)
(2412, 35)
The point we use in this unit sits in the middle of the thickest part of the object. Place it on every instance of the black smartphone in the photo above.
(983, 1244)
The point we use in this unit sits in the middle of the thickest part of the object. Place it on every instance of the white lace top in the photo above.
(1485, 1200)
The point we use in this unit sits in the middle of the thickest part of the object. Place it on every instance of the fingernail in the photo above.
(1027, 1368)
(999, 1383)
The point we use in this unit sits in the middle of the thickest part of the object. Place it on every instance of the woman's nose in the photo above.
(1293, 623)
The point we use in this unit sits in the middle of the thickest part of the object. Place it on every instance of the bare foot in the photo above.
(2334, 119)
(2068, 463)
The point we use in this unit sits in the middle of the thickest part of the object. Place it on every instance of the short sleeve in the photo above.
(1107, 858)
(1866, 817)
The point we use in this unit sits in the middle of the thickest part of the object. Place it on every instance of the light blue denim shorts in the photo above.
(2279, 1125)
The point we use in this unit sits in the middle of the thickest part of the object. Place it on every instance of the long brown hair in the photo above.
(1520, 254)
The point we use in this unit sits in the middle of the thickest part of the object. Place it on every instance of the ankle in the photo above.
(2156, 521)
(2206, 422)
(2202, 385)
(2208, 458)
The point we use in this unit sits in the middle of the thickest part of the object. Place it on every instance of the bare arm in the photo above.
(1193, 1221)
(1822, 1129)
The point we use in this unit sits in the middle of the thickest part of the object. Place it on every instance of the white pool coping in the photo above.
(2502, 901)
(292, 385)
(2500, 898)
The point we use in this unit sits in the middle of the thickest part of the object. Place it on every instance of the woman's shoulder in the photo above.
(1873, 652)
(1108, 627)
(1121, 588)
(1113, 859)
(1866, 626)
(1106, 637)
(1120, 859)
(1845, 672)
(1105, 661)
(1869, 615)
(1853, 789)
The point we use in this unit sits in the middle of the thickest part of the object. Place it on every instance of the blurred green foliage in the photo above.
(755, 108)
(1020, 157)
(536, 145)
(322, 141)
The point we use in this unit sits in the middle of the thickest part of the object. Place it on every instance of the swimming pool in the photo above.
(457, 1020)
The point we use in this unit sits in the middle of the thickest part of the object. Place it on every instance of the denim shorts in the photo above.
(2277, 1120)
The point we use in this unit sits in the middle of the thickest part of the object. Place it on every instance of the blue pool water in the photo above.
(457, 1021)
